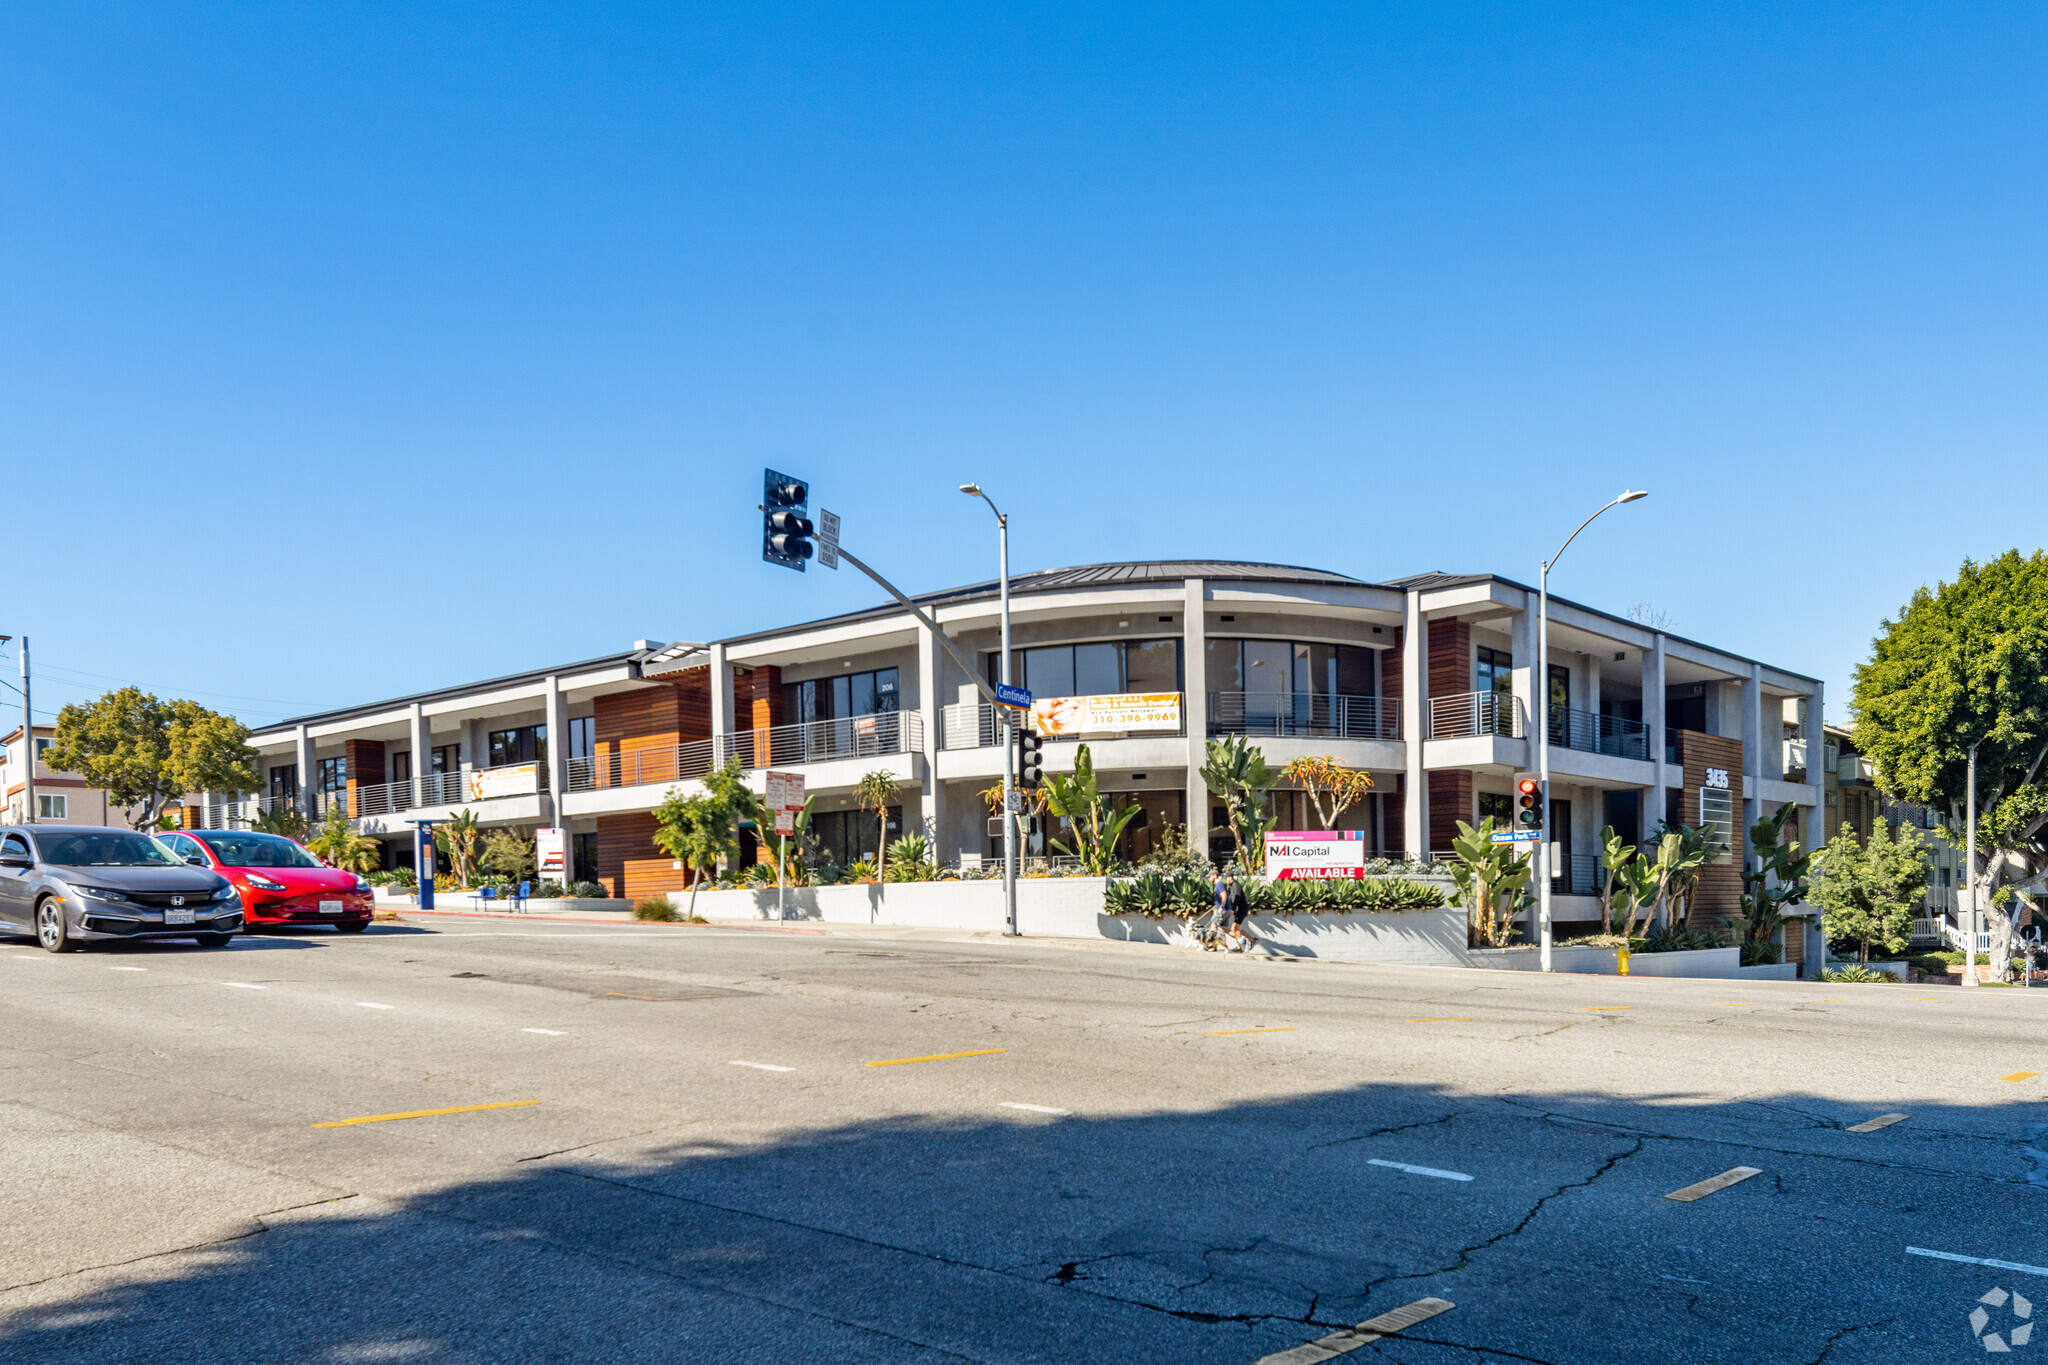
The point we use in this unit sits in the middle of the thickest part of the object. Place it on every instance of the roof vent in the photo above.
(648, 644)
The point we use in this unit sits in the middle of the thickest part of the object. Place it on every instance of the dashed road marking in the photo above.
(1829, 1001)
(1035, 1108)
(2021, 1267)
(1881, 1121)
(550, 1032)
(1218, 1033)
(1718, 1004)
(1418, 1170)
(1592, 1009)
(424, 1113)
(1923, 997)
(1456, 1019)
(244, 986)
(1350, 1339)
(1734, 1175)
(373, 1005)
(2020, 1076)
(939, 1057)
(127, 969)
(764, 1066)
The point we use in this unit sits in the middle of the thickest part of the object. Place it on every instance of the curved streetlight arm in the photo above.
(1625, 497)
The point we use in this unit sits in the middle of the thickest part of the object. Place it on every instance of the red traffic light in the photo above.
(1527, 786)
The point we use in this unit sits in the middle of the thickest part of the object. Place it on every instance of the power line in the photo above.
(198, 691)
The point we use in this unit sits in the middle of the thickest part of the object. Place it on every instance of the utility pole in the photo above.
(1969, 878)
(1006, 715)
(28, 742)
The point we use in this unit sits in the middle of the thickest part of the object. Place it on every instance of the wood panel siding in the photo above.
(1394, 815)
(1450, 800)
(693, 703)
(1450, 658)
(1718, 900)
(364, 766)
(628, 863)
(1391, 690)
(765, 689)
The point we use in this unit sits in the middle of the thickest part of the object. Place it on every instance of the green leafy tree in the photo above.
(1868, 891)
(341, 846)
(1490, 878)
(697, 830)
(511, 853)
(1076, 798)
(145, 754)
(1967, 663)
(1236, 771)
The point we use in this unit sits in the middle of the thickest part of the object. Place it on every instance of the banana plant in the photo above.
(1236, 771)
(1490, 878)
(1075, 797)
(1616, 890)
(1775, 878)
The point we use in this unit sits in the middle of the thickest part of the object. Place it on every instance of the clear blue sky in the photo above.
(347, 351)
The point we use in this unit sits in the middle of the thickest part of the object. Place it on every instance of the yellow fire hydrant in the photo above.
(1621, 960)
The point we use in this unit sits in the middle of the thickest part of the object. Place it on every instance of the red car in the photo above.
(279, 882)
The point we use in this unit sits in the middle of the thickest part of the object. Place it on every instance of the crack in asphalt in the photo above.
(258, 1228)
(1828, 1348)
(1379, 1132)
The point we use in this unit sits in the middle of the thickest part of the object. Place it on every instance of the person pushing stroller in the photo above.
(1226, 924)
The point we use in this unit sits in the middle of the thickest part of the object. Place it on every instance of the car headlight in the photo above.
(264, 883)
(101, 893)
(362, 884)
(226, 892)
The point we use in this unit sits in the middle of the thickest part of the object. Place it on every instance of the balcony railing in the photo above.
(1465, 714)
(1578, 875)
(640, 767)
(823, 741)
(1287, 715)
(1597, 734)
(972, 725)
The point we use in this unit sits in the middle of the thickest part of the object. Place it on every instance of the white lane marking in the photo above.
(550, 1032)
(1979, 1260)
(762, 1066)
(367, 1005)
(1036, 1108)
(1418, 1170)
(244, 986)
(127, 969)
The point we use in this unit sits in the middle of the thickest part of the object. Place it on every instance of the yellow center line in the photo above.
(1455, 1019)
(1719, 1003)
(1589, 1009)
(937, 1057)
(424, 1113)
(1829, 1001)
(1923, 997)
(2020, 1076)
(1218, 1033)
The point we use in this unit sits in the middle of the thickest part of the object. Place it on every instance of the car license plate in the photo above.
(177, 917)
(331, 907)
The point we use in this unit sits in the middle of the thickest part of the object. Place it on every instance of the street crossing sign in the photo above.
(1517, 836)
(1010, 695)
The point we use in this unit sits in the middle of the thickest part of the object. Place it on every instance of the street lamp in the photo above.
(973, 490)
(1542, 691)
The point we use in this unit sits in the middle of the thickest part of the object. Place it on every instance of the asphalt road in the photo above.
(1143, 1155)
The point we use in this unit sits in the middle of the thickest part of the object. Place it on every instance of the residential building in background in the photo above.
(1853, 798)
(1425, 682)
(61, 798)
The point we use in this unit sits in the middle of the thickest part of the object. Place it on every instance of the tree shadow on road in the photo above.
(1218, 1234)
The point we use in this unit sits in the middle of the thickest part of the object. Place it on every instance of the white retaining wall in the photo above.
(1719, 963)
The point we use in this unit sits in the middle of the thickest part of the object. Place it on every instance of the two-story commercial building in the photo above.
(1424, 682)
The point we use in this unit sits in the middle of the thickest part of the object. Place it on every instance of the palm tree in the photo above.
(342, 847)
(457, 838)
(874, 793)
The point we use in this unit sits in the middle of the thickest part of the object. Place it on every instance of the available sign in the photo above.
(551, 848)
(1293, 855)
(1130, 711)
(521, 779)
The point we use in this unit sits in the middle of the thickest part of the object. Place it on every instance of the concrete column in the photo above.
(309, 770)
(1653, 717)
(1529, 692)
(558, 747)
(422, 752)
(1589, 683)
(929, 671)
(1816, 815)
(1752, 748)
(1194, 668)
(721, 703)
(1414, 728)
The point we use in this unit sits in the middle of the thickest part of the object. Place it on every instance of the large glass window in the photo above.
(333, 775)
(844, 837)
(582, 736)
(1292, 667)
(1104, 668)
(526, 744)
(1493, 670)
(284, 782)
(871, 693)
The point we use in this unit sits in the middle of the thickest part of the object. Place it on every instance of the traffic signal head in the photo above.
(1529, 804)
(1030, 758)
(785, 530)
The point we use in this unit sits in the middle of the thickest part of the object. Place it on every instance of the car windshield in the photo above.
(104, 848)
(258, 850)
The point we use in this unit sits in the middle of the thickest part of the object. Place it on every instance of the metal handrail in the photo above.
(640, 767)
(822, 741)
(1591, 733)
(1290, 714)
(1466, 714)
